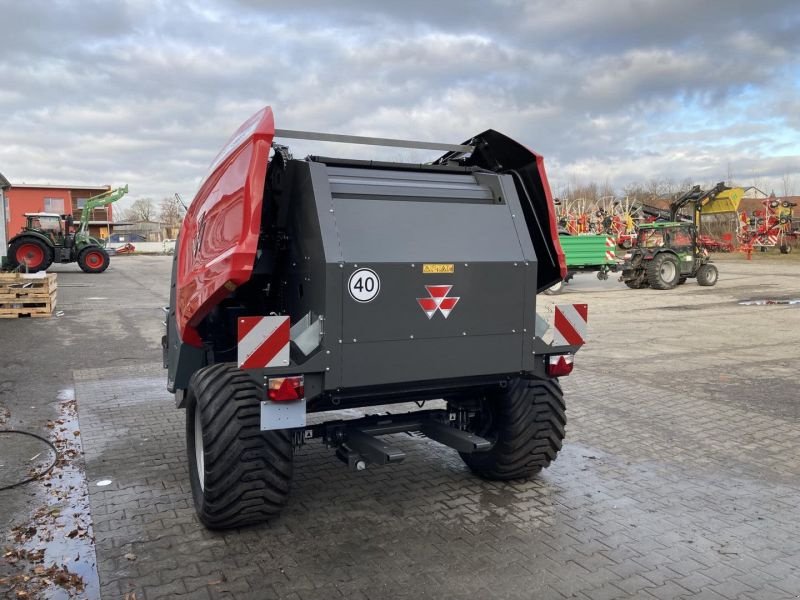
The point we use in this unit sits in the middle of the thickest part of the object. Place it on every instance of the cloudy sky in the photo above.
(146, 92)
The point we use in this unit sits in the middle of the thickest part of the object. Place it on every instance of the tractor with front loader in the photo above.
(666, 254)
(48, 238)
(328, 284)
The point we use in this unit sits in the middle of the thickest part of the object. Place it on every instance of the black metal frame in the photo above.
(357, 445)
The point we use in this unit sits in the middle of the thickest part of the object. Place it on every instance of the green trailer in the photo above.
(587, 254)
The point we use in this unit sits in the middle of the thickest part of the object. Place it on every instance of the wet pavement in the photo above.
(679, 478)
(46, 538)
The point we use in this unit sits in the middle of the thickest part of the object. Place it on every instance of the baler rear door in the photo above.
(439, 274)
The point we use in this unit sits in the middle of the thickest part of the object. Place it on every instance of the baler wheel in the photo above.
(526, 420)
(663, 272)
(554, 289)
(239, 474)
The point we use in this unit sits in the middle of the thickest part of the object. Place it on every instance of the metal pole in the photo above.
(370, 141)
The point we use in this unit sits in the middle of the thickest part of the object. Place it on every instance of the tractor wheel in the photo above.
(786, 249)
(239, 474)
(554, 289)
(663, 272)
(31, 252)
(638, 282)
(526, 421)
(93, 259)
(707, 275)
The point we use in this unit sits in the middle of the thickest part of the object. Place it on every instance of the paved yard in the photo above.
(680, 475)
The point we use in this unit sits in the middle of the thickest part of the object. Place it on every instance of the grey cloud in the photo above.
(146, 93)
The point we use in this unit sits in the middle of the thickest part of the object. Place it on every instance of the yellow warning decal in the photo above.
(438, 268)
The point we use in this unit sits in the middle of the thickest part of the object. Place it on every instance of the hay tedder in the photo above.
(319, 284)
(769, 227)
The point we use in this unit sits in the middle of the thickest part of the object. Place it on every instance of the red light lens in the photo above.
(286, 389)
(560, 365)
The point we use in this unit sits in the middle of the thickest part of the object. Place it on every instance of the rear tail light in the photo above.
(560, 365)
(286, 389)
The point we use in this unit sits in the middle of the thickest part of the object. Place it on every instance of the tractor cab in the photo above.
(50, 225)
(680, 238)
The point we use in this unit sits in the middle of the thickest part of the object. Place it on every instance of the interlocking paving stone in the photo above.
(654, 495)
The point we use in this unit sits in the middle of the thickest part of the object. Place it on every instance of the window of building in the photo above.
(82, 203)
(54, 205)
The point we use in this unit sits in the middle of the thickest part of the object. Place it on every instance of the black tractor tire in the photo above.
(707, 275)
(663, 272)
(241, 475)
(786, 249)
(39, 251)
(93, 259)
(638, 282)
(526, 421)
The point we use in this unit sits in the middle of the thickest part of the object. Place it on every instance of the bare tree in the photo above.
(788, 184)
(143, 209)
(170, 212)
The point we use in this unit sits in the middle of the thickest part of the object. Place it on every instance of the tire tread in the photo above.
(248, 472)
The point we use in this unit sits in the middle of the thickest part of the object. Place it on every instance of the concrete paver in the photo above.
(679, 478)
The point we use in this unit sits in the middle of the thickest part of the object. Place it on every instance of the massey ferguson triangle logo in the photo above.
(438, 300)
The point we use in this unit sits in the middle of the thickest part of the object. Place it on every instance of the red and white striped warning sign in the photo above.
(766, 240)
(570, 324)
(611, 255)
(263, 342)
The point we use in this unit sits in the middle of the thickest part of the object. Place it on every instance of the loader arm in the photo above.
(98, 201)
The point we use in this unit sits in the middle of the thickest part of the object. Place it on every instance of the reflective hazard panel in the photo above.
(570, 324)
(263, 342)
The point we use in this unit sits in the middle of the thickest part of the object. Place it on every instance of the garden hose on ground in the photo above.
(36, 475)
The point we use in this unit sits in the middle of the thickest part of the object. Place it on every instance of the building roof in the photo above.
(48, 186)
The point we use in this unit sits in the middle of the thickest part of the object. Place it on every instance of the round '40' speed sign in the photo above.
(364, 285)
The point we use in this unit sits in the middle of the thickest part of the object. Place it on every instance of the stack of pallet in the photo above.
(27, 295)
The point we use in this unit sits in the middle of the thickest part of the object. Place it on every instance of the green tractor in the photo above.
(48, 237)
(666, 254)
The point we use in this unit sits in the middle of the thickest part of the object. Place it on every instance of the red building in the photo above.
(60, 199)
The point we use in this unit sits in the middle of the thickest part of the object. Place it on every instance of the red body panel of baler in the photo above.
(219, 236)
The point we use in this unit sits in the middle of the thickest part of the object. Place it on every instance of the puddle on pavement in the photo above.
(53, 553)
(770, 301)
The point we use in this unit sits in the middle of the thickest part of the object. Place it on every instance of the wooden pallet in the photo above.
(27, 295)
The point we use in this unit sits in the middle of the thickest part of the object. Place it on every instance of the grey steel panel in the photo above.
(360, 183)
(378, 363)
(491, 301)
(377, 231)
(315, 274)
